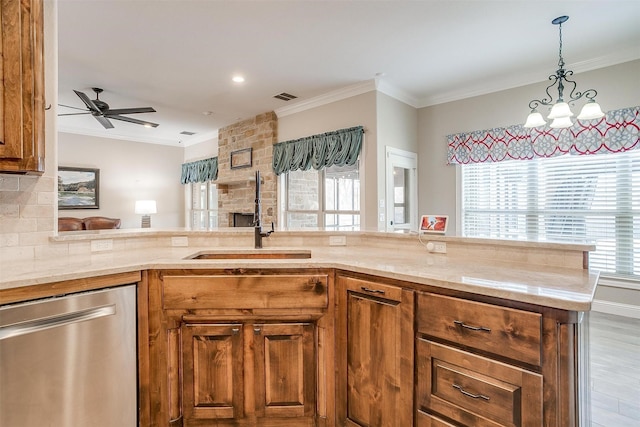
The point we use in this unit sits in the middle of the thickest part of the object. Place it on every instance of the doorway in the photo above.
(401, 190)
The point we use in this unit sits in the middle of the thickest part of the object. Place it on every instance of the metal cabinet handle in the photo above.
(256, 331)
(235, 331)
(373, 291)
(40, 324)
(473, 328)
(471, 395)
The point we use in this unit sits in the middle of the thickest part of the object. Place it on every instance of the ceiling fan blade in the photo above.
(88, 102)
(104, 122)
(71, 106)
(136, 121)
(74, 114)
(130, 110)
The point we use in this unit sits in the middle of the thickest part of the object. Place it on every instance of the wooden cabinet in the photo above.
(21, 86)
(480, 364)
(375, 354)
(241, 348)
(280, 358)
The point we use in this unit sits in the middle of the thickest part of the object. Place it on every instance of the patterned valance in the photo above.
(340, 147)
(200, 171)
(617, 131)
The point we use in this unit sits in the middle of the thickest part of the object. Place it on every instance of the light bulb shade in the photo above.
(534, 120)
(590, 111)
(146, 207)
(560, 110)
(561, 123)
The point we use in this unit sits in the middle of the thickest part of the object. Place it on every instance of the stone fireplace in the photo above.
(236, 186)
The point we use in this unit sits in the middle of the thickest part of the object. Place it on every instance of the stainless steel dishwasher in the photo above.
(70, 361)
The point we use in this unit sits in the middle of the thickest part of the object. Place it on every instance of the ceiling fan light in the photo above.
(591, 110)
(535, 120)
(561, 123)
(560, 110)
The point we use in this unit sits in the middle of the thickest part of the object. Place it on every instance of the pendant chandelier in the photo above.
(560, 111)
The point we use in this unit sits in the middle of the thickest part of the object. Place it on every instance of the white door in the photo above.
(402, 189)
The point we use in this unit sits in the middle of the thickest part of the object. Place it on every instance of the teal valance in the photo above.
(340, 147)
(200, 171)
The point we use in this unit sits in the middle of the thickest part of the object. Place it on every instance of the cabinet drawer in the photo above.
(515, 334)
(474, 390)
(245, 292)
(373, 289)
(427, 420)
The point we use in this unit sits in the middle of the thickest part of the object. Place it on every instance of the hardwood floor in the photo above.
(614, 370)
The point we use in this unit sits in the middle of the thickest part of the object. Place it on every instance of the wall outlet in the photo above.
(179, 241)
(337, 240)
(101, 245)
(439, 247)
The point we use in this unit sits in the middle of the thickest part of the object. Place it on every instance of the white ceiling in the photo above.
(178, 56)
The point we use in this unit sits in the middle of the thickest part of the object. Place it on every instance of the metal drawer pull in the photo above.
(466, 393)
(473, 328)
(373, 291)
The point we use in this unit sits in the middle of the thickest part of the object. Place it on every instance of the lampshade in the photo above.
(145, 207)
(590, 111)
(534, 119)
(561, 123)
(560, 110)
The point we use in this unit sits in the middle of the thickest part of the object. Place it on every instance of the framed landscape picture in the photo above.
(78, 188)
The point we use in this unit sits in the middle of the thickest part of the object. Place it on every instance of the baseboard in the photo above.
(626, 310)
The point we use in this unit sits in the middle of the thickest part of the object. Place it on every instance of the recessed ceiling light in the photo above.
(238, 79)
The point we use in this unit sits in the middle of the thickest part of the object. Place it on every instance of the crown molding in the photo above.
(327, 98)
(98, 134)
(198, 138)
(394, 92)
(615, 58)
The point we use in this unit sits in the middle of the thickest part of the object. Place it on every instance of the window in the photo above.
(326, 199)
(572, 198)
(203, 214)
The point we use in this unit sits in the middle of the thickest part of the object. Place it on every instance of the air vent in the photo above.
(285, 96)
(185, 132)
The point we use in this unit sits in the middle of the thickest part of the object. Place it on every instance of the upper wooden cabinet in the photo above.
(22, 88)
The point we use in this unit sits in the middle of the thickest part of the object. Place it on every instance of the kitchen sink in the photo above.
(250, 254)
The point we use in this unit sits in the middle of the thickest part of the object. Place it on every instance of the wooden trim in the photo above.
(46, 290)
(144, 373)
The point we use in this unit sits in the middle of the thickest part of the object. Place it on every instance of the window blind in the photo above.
(568, 198)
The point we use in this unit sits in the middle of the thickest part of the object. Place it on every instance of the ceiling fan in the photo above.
(102, 113)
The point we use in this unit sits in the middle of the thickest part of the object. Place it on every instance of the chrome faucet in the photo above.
(258, 233)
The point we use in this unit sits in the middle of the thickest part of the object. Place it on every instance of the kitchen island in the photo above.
(459, 327)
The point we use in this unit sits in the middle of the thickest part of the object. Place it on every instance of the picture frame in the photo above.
(434, 224)
(78, 188)
(241, 158)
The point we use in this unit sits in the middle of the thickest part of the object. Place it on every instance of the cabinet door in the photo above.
(379, 355)
(212, 371)
(285, 367)
(21, 86)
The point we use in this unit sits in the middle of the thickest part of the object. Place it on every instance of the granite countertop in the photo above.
(546, 285)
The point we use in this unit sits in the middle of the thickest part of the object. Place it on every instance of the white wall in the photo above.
(618, 87)
(200, 151)
(129, 171)
(397, 128)
(358, 110)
